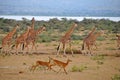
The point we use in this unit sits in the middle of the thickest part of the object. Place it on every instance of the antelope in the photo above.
(42, 63)
(60, 64)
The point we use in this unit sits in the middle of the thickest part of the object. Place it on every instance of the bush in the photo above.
(97, 57)
(78, 68)
(77, 37)
(101, 38)
(99, 62)
(116, 77)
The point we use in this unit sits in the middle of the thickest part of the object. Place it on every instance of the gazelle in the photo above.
(60, 64)
(42, 63)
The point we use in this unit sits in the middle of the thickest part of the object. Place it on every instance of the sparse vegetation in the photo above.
(116, 77)
(60, 26)
(100, 62)
(78, 68)
(97, 57)
(110, 48)
(101, 38)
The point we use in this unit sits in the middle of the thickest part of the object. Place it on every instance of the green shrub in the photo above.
(78, 68)
(77, 37)
(110, 48)
(97, 57)
(99, 62)
(116, 77)
(101, 38)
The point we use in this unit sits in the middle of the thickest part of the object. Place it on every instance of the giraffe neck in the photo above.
(92, 32)
(68, 33)
(33, 23)
(12, 32)
(32, 26)
(27, 32)
(96, 35)
(39, 30)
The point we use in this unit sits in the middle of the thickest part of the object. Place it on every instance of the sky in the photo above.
(57, 6)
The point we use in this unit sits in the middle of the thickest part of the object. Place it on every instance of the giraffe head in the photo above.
(101, 33)
(117, 35)
(28, 27)
(33, 20)
(75, 24)
(44, 28)
(17, 26)
(41, 29)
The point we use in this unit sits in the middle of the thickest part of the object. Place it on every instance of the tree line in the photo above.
(62, 25)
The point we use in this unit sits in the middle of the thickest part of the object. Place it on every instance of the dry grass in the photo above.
(102, 66)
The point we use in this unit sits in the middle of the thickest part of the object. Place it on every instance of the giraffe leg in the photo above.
(95, 46)
(3, 49)
(64, 48)
(58, 49)
(86, 48)
(17, 48)
(88, 52)
(9, 49)
(34, 46)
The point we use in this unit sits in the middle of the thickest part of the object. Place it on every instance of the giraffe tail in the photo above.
(12, 46)
(0, 47)
(58, 47)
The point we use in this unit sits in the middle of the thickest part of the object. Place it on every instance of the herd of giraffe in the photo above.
(30, 35)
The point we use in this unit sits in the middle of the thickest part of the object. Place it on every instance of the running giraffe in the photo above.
(66, 39)
(91, 40)
(21, 39)
(32, 38)
(6, 41)
(86, 39)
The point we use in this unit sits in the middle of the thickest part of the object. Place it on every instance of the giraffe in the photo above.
(31, 31)
(89, 35)
(6, 41)
(90, 41)
(118, 41)
(33, 23)
(21, 39)
(66, 39)
(32, 38)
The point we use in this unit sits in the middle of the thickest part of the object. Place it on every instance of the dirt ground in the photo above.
(16, 67)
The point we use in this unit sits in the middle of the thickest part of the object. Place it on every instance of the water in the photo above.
(46, 18)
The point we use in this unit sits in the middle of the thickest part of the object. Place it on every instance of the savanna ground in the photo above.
(105, 65)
